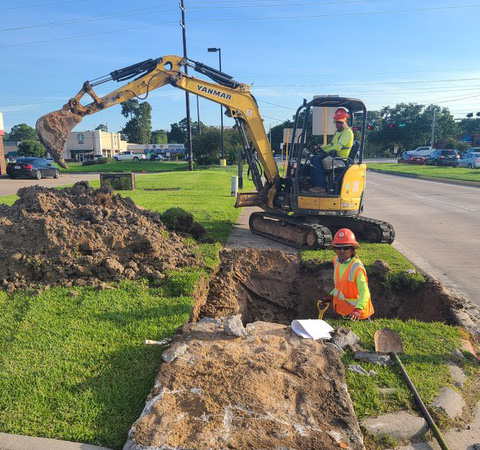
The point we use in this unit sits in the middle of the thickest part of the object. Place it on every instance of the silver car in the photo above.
(471, 159)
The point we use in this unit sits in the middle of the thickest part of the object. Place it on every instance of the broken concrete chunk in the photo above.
(449, 402)
(401, 426)
(344, 337)
(173, 352)
(359, 369)
(373, 358)
(233, 326)
(459, 377)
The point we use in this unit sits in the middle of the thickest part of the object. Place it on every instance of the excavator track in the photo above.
(365, 228)
(295, 232)
(290, 230)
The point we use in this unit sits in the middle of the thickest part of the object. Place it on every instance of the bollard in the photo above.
(223, 162)
(234, 189)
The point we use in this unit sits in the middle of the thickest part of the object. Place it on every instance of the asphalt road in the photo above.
(436, 226)
(9, 186)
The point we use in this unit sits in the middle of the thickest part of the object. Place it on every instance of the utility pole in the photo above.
(433, 126)
(3, 167)
(219, 50)
(187, 98)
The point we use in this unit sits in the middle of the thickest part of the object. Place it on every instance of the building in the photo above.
(82, 145)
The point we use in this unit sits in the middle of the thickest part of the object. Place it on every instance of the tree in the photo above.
(176, 135)
(206, 147)
(159, 137)
(139, 128)
(102, 127)
(31, 147)
(129, 107)
(22, 132)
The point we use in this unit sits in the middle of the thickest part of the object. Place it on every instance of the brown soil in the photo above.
(274, 286)
(83, 236)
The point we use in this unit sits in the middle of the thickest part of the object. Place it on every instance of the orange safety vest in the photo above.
(345, 294)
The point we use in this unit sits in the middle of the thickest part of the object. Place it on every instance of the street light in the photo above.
(219, 50)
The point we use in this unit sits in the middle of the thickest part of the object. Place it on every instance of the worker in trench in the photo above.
(350, 296)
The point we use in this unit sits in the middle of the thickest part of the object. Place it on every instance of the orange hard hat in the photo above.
(345, 238)
(341, 114)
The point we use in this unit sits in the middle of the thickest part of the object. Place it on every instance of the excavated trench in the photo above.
(272, 286)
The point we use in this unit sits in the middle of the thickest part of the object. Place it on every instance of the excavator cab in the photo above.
(305, 147)
(306, 214)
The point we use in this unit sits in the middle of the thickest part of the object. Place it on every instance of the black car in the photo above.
(37, 168)
(442, 157)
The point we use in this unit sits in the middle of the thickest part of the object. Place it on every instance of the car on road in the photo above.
(29, 167)
(156, 157)
(411, 158)
(470, 159)
(442, 157)
(129, 156)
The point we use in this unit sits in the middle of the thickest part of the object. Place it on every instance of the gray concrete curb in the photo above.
(422, 177)
(18, 442)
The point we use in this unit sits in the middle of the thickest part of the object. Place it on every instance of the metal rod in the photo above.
(426, 414)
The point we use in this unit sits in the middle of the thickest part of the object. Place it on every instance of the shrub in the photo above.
(89, 162)
(177, 219)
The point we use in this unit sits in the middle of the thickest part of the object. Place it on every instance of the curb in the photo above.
(423, 177)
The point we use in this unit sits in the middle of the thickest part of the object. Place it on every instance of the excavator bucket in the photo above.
(53, 129)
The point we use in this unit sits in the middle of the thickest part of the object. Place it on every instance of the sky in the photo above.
(383, 52)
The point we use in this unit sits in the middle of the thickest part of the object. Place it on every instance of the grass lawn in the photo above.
(128, 166)
(74, 367)
(452, 173)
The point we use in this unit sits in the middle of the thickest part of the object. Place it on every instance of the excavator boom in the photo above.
(53, 128)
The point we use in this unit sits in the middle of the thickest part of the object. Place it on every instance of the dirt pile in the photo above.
(269, 390)
(83, 236)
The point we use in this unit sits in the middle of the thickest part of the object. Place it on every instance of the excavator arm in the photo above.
(53, 128)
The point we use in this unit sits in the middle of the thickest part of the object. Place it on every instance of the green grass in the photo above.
(128, 166)
(428, 346)
(451, 173)
(76, 368)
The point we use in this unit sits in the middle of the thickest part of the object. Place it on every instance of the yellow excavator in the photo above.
(292, 213)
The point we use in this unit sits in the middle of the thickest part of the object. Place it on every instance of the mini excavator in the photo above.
(292, 213)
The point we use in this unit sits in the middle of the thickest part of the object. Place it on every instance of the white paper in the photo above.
(312, 329)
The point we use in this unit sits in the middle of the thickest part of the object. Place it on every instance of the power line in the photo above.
(89, 19)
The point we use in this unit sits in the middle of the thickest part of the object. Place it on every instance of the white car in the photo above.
(129, 156)
(471, 159)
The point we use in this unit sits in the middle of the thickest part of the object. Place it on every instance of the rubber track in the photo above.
(323, 234)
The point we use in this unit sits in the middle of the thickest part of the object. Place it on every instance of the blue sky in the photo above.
(383, 52)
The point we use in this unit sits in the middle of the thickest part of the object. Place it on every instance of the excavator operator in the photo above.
(341, 145)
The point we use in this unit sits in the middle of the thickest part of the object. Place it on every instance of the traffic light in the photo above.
(390, 125)
(402, 125)
(478, 114)
(369, 127)
(469, 115)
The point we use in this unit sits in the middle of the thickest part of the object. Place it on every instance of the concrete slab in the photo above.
(449, 402)
(242, 237)
(18, 442)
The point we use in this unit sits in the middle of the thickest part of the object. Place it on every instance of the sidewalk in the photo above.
(17, 442)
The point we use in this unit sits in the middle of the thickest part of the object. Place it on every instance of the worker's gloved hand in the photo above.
(333, 153)
(328, 299)
(355, 314)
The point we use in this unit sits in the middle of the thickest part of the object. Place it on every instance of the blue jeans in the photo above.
(317, 172)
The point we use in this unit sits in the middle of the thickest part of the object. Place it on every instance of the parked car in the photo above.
(156, 157)
(411, 158)
(442, 157)
(470, 159)
(129, 156)
(37, 168)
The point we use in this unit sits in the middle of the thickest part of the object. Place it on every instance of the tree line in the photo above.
(402, 127)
